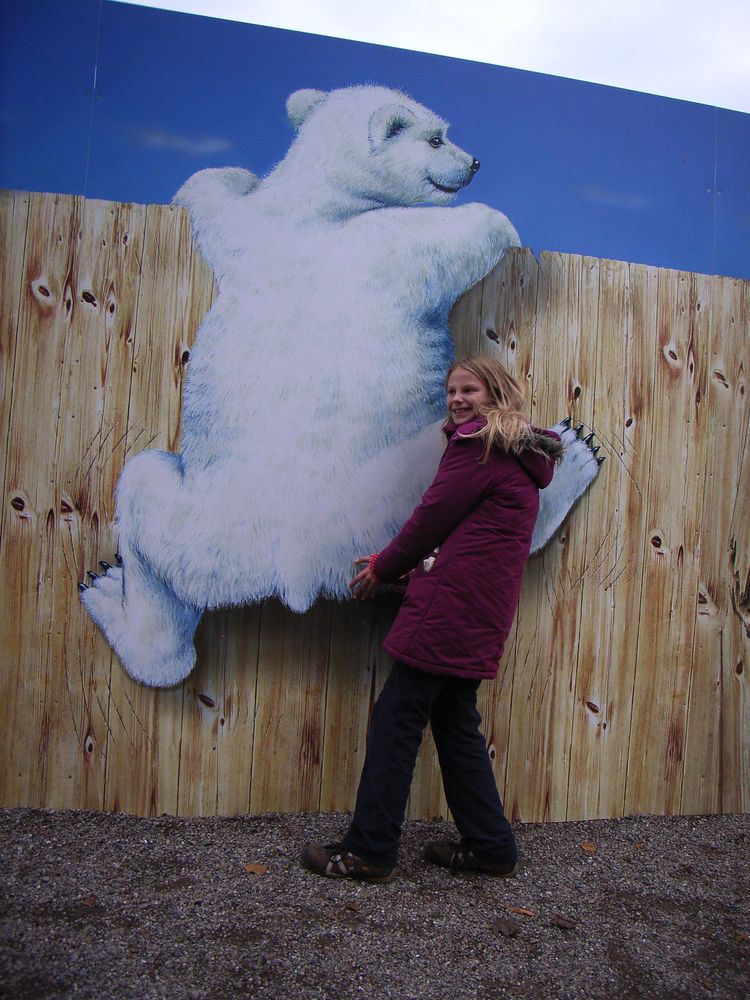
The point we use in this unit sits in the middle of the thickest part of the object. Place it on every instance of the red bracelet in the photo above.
(371, 563)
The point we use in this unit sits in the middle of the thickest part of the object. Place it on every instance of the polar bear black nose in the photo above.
(474, 166)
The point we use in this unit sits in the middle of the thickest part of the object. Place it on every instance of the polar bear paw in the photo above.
(579, 468)
(212, 188)
(211, 197)
(151, 632)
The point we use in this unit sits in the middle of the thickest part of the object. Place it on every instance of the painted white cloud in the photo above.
(192, 145)
(614, 199)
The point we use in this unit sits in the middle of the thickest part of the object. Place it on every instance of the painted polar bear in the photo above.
(314, 396)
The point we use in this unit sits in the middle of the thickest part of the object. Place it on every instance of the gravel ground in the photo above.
(110, 906)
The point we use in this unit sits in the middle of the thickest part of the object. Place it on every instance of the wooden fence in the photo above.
(624, 687)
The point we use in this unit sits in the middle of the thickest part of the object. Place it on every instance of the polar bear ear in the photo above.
(300, 104)
(387, 122)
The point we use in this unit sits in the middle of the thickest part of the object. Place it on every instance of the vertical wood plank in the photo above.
(496, 317)
(88, 450)
(548, 620)
(14, 212)
(27, 590)
(735, 782)
(621, 582)
(601, 721)
(217, 732)
(17, 773)
(718, 747)
(701, 788)
(176, 290)
(466, 322)
(669, 597)
(289, 725)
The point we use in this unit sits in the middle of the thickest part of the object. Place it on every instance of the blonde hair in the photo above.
(507, 427)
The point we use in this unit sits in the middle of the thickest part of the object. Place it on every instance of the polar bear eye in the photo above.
(436, 141)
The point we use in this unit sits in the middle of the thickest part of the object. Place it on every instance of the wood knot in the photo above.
(670, 355)
(492, 335)
(89, 297)
(18, 503)
(40, 290)
(207, 701)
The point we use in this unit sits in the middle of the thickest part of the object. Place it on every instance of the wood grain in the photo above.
(623, 687)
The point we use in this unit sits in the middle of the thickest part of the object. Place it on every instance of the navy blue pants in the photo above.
(409, 700)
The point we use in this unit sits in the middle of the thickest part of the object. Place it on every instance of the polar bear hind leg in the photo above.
(576, 472)
(148, 626)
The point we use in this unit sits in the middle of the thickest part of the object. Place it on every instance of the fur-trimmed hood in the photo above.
(537, 460)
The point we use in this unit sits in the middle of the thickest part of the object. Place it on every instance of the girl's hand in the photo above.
(365, 584)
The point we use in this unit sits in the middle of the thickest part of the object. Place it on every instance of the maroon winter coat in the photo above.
(456, 614)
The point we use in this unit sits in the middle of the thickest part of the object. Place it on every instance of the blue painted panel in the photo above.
(47, 61)
(578, 167)
(732, 194)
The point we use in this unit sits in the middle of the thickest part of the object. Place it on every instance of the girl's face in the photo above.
(465, 393)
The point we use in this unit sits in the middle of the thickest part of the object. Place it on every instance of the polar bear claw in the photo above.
(576, 472)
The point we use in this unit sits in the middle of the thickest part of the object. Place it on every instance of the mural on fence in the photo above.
(624, 684)
(315, 393)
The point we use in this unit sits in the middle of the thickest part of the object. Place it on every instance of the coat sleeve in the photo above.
(462, 480)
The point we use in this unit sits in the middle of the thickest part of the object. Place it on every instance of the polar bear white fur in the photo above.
(314, 394)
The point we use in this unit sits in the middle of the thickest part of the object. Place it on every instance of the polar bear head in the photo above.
(367, 147)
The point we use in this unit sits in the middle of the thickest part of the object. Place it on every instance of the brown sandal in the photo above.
(458, 856)
(332, 861)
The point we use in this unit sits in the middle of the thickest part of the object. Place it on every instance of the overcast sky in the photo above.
(695, 50)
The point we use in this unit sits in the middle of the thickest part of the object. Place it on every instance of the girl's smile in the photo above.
(465, 392)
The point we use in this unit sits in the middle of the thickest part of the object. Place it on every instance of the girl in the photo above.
(465, 548)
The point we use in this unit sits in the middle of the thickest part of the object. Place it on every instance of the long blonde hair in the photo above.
(507, 427)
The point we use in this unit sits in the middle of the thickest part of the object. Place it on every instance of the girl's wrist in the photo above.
(371, 563)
